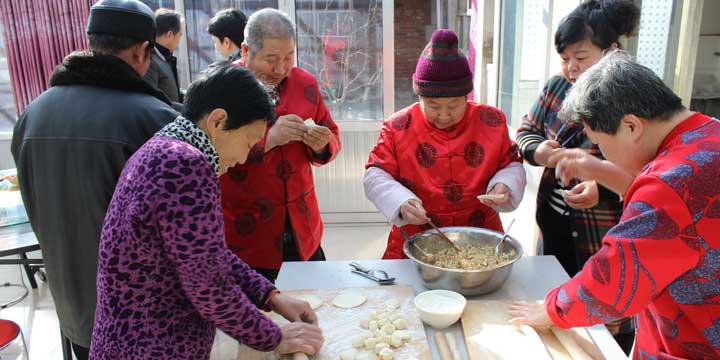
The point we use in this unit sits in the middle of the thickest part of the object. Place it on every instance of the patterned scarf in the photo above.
(185, 130)
(274, 92)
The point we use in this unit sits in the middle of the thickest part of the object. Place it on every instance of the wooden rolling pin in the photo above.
(454, 349)
(442, 346)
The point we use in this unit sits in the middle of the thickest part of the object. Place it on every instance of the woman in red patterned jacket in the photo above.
(433, 158)
(661, 262)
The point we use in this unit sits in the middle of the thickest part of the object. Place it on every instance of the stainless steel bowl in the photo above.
(466, 282)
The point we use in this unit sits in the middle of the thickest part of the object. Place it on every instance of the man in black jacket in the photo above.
(163, 73)
(70, 146)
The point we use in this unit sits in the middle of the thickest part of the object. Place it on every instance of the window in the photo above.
(7, 103)
(198, 13)
(156, 4)
(527, 52)
(340, 43)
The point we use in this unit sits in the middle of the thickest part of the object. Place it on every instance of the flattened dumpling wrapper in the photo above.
(349, 299)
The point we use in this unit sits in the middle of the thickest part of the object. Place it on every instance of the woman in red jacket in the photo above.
(433, 158)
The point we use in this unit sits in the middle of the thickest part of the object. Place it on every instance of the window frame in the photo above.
(388, 62)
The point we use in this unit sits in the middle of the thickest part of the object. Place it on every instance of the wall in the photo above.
(706, 82)
(339, 185)
(710, 24)
(412, 18)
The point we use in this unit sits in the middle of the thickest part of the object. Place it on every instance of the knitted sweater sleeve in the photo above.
(532, 130)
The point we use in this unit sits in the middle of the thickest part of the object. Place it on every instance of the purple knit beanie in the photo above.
(442, 69)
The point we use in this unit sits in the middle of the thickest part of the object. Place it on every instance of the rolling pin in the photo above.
(442, 346)
(570, 345)
(450, 337)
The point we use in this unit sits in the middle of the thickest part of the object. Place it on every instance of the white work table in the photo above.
(530, 279)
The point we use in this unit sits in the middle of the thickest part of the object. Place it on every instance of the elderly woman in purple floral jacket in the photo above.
(165, 277)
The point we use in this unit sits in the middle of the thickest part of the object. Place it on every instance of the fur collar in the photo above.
(100, 70)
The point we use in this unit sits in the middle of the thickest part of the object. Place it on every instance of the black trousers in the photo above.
(81, 353)
(272, 274)
(290, 252)
(557, 236)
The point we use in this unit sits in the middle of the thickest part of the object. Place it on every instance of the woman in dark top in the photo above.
(166, 279)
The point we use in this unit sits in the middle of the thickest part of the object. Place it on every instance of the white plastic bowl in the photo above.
(440, 308)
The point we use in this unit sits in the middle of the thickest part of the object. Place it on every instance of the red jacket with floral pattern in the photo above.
(662, 261)
(257, 195)
(445, 168)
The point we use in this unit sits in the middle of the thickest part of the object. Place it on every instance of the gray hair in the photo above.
(267, 23)
(617, 86)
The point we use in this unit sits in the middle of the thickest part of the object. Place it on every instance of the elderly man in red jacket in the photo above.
(269, 203)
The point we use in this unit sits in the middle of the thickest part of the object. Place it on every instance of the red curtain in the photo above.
(472, 52)
(38, 34)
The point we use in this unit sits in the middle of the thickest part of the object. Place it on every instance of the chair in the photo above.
(9, 332)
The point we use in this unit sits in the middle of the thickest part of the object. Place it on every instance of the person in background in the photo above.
(166, 280)
(660, 262)
(162, 72)
(433, 158)
(269, 203)
(227, 29)
(573, 219)
(71, 144)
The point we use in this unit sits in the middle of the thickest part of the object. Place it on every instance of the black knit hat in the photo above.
(127, 18)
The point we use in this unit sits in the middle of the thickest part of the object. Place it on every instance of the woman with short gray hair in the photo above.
(661, 261)
(573, 219)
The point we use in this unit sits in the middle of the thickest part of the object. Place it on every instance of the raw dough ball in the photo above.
(349, 299)
(365, 323)
(392, 305)
(396, 340)
(309, 122)
(347, 355)
(388, 329)
(377, 333)
(359, 341)
(366, 356)
(312, 299)
(383, 322)
(372, 325)
(387, 354)
(379, 315)
(397, 316)
(386, 338)
(400, 324)
(380, 346)
(370, 343)
(405, 335)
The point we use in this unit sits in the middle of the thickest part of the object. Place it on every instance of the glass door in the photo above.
(341, 43)
(527, 52)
